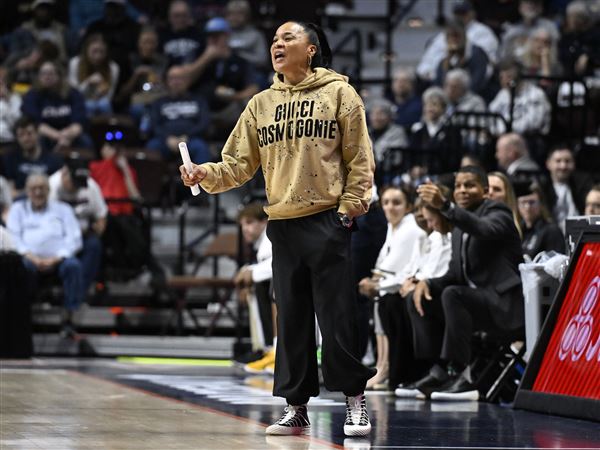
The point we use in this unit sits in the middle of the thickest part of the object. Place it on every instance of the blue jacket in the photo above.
(175, 116)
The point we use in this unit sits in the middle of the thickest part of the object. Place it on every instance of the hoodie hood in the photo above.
(320, 77)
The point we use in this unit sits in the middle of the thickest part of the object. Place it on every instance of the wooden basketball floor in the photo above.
(108, 404)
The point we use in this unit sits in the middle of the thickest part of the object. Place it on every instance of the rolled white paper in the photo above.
(187, 163)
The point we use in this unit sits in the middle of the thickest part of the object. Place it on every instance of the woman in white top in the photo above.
(403, 232)
(94, 75)
(430, 258)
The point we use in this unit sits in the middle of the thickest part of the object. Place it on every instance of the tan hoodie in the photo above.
(312, 142)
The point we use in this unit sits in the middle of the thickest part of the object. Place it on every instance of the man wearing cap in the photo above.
(225, 79)
(475, 31)
(44, 27)
(74, 186)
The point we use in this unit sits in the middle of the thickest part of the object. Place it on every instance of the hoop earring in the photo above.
(309, 61)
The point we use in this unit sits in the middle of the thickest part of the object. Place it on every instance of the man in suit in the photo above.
(480, 291)
(566, 188)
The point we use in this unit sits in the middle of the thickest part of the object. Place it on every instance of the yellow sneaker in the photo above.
(260, 366)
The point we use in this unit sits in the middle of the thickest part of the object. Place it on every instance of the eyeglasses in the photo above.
(111, 136)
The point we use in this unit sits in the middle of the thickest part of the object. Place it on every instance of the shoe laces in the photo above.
(356, 410)
(290, 413)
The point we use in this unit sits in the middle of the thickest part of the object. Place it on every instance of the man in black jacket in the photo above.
(481, 290)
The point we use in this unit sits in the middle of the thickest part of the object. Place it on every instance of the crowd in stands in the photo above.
(187, 77)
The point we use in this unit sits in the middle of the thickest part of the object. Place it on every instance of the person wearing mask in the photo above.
(403, 234)
(308, 133)
(476, 293)
(28, 157)
(181, 41)
(179, 116)
(405, 97)
(58, 109)
(74, 186)
(501, 190)
(565, 188)
(540, 233)
(46, 233)
(94, 75)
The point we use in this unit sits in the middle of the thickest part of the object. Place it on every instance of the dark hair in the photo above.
(407, 192)
(24, 122)
(559, 146)
(478, 172)
(316, 36)
(253, 211)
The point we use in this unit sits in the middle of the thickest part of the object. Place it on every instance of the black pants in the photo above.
(446, 329)
(404, 366)
(312, 273)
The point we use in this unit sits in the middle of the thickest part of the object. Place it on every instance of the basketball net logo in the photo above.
(576, 339)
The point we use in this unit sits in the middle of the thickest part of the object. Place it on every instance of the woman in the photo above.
(58, 110)
(403, 233)
(430, 259)
(541, 55)
(539, 232)
(501, 190)
(94, 75)
(308, 133)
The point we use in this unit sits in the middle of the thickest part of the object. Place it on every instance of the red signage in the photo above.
(571, 363)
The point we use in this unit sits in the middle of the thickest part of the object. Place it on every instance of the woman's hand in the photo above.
(368, 287)
(197, 174)
(421, 291)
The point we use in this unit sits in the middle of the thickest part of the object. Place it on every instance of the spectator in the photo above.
(579, 46)
(146, 82)
(225, 79)
(82, 13)
(5, 199)
(387, 137)
(27, 157)
(181, 42)
(464, 54)
(94, 75)
(501, 190)
(179, 116)
(10, 105)
(428, 134)
(540, 55)
(402, 234)
(44, 27)
(476, 293)
(246, 40)
(429, 259)
(475, 32)
(513, 157)
(460, 98)
(58, 109)
(530, 108)
(257, 277)
(592, 201)
(515, 36)
(47, 234)
(74, 186)
(23, 67)
(120, 32)
(405, 97)
(468, 159)
(540, 233)
(566, 187)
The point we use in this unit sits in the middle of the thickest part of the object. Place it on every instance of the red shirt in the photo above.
(111, 180)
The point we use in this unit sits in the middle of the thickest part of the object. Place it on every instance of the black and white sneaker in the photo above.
(294, 421)
(357, 419)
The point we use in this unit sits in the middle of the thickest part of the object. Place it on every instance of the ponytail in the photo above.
(316, 36)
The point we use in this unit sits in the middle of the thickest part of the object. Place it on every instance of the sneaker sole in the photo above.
(460, 396)
(357, 430)
(406, 393)
(278, 430)
(254, 371)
